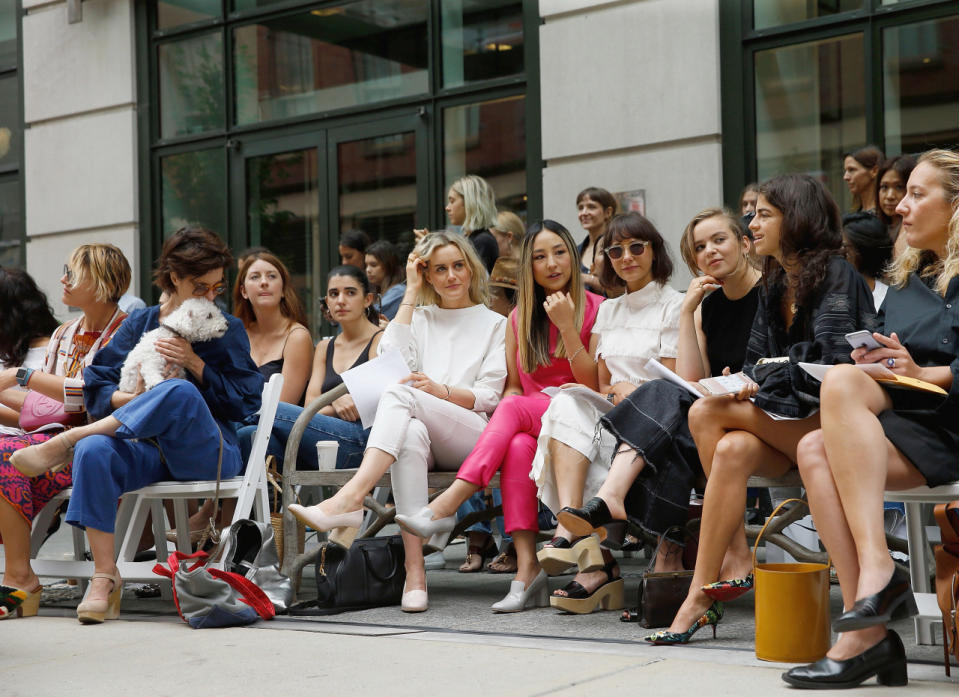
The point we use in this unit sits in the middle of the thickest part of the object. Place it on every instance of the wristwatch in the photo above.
(23, 376)
(609, 397)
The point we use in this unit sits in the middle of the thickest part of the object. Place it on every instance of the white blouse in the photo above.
(635, 327)
(463, 348)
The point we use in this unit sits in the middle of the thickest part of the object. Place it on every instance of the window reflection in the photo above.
(330, 58)
(810, 109)
(173, 13)
(921, 85)
(191, 85)
(377, 187)
(11, 222)
(482, 39)
(773, 13)
(9, 123)
(192, 190)
(8, 34)
(489, 139)
(282, 215)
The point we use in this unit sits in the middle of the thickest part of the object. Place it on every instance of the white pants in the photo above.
(575, 423)
(423, 433)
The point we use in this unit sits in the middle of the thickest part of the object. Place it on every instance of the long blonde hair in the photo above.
(478, 290)
(946, 163)
(532, 322)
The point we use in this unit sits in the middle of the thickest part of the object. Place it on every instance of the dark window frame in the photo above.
(14, 171)
(429, 106)
(739, 42)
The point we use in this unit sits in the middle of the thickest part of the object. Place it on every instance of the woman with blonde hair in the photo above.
(548, 344)
(471, 206)
(271, 312)
(94, 278)
(508, 231)
(453, 345)
(875, 438)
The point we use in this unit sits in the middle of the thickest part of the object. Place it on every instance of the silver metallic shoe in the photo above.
(521, 597)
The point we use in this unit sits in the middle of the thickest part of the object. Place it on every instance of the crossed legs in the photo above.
(846, 466)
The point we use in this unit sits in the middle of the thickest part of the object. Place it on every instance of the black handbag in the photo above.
(661, 593)
(371, 573)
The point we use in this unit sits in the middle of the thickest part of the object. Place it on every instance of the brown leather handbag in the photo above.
(947, 577)
(661, 593)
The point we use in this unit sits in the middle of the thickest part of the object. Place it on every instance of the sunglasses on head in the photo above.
(201, 289)
(636, 248)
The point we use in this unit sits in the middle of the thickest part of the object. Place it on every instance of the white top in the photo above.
(33, 359)
(463, 348)
(635, 327)
(879, 294)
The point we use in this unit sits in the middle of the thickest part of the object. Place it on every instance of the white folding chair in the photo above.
(250, 492)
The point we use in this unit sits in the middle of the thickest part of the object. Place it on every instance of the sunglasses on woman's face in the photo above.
(636, 248)
(201, 289)
(68, 275)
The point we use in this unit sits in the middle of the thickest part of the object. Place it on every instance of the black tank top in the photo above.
(726, 324)
(332, 378)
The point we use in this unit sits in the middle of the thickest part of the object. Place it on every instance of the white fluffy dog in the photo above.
(197, 319)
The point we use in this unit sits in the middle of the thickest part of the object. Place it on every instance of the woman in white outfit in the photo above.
(454, 346)
(574, 451)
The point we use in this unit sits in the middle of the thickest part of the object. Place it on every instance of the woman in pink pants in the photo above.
(554, 320)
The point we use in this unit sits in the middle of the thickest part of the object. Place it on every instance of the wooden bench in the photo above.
(920, 557)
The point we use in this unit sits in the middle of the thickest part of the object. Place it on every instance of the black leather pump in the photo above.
(894, 602)
(886, 660)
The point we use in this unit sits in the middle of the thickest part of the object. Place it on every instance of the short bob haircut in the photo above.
(478, 290)
(388, 255)
(355, 239)
(189, 252)
(25, 315)
(867, 239)
(734, 224)
(479, 201)
(103, 265)
(901, 165)
(811, 230)
(632, 225)
(290, 305)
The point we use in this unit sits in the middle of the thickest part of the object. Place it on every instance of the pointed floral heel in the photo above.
(50, 456)
(560, 554)
(729, 590)
(96, 611)
(15, 601)
(667, 638)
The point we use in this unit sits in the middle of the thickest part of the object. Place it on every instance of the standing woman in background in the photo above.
(509, 232)
(860, 170)
(890, 190)
(264, 300)
(595, 207)
(386, 274)
(94, 279)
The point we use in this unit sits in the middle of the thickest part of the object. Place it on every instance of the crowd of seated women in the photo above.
(555, 392)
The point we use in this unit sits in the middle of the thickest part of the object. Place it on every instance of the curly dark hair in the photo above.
(25, 315)
(811, 232)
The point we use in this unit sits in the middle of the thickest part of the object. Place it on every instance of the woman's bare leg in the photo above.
(569, 469)
(863, 465)
(350, 496)
(527, 566)
(16, 549)
(415, 566)
(446, 503)
(834, 532)
(101, 546)
(626, 466)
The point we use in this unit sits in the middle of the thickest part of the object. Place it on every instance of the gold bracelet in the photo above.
(573, 357)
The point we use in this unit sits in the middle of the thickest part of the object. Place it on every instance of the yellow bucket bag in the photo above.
(792, 608)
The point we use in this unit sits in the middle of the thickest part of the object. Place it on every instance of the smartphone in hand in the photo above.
(862, 339)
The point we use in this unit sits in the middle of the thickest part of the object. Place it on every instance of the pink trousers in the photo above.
(508, 443)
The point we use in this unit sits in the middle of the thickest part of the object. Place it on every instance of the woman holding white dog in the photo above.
(177, 430)
(94, 278)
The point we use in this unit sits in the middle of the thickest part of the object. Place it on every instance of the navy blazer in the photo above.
(231, 386)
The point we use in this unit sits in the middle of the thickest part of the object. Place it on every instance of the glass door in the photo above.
(378, 178)
(296, 195)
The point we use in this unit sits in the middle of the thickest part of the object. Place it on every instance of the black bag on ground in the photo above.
(371, 573)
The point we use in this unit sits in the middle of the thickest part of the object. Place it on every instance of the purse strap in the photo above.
(250, 593)
(770, 519)
(211, 532)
